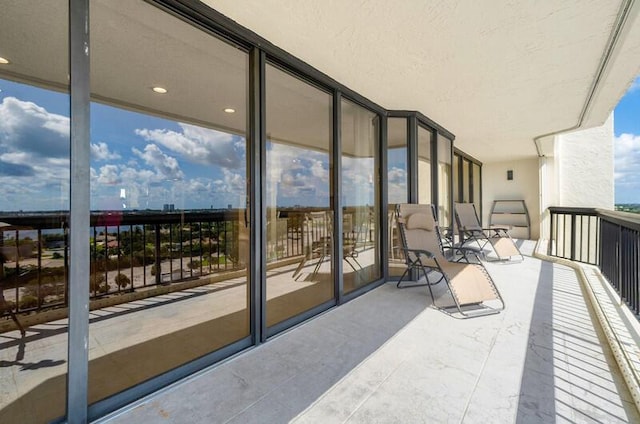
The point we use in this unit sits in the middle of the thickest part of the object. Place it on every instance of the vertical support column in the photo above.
(412, 164)
(336, 176)
(435, 177)
(412, 158)
(78, 343)
(255, 209)
(383, 221)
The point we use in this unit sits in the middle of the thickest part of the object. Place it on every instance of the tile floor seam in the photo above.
(373, 391)
(258, 400)
(484, 364)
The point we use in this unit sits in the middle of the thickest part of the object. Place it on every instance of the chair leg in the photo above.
(17, 322)
(402, 277)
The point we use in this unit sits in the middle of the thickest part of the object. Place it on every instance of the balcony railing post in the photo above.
(573, 235)
(156, 265)
(551, 237)
(66, 264)
(613, 245)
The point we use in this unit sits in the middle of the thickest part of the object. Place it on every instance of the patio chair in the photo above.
(319, 242)
(471, 231)
(8, 307)
(469, 284)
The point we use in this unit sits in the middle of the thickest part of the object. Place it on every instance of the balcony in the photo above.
(385, 355)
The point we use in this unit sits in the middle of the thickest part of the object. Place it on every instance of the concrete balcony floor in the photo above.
(389, 357)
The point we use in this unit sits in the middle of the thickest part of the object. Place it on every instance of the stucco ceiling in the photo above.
(495, 73)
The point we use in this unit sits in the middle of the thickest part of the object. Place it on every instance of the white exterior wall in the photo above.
(578, 171)
(584, 161)
(525, 185)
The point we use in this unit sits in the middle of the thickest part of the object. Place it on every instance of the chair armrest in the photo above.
(499, 231)
(466, 250)
(419, 252)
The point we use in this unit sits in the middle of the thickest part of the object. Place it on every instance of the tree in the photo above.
(122, 280)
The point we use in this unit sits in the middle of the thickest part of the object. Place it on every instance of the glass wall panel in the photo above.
(360, 191)
(398, 189)
(299, 221)
(456, 178)
(477, 192)
(466, 181)
(34, 209)
(169, 232)
(425, 141)
(444, 181)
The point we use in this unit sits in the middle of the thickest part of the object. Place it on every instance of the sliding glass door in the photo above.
(360, 196)
(298, 197)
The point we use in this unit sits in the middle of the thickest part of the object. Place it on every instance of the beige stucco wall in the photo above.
(584, 161)
(524, 185)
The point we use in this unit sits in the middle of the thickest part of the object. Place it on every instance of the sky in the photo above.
(140, 161)
(626, 124)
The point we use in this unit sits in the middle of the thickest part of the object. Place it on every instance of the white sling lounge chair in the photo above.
(470, 285)
(472, 232)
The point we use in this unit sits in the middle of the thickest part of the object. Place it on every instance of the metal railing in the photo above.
(129, 251)
(608, 239)
(133, 251)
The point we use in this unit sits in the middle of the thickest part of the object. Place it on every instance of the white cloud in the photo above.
(627, 156)
(29, 128)
(358, 180)
(297, 176)
(397, 175)
(108, 175)
(164, 164)
(231, 183)
(199, 145)
(627, 168)
(34, 157)
(635, 85)
(100, 152)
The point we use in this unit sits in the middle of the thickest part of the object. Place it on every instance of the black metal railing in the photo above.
(133, 251)
(129, 251)
(608, 239)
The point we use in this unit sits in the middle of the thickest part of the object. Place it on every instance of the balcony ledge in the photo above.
(621, 328)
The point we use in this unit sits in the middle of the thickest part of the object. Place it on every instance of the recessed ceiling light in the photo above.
(229, 110)
(3, 61)
(159, 90)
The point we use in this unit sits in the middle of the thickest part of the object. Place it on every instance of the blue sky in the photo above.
(626, 123)
(139, 161)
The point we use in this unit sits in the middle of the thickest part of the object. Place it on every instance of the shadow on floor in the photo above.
(569, 374)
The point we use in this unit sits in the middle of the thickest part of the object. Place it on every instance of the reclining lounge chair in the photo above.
(469, 284)
(471, 231)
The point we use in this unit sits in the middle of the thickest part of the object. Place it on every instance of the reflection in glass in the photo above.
(444, 181)
(299, 204)
(34, 209)
(466, 181)
(169, 237)
(360, 191)
(456, 178)
(398, 189)
(477, 193)
(425, 141)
